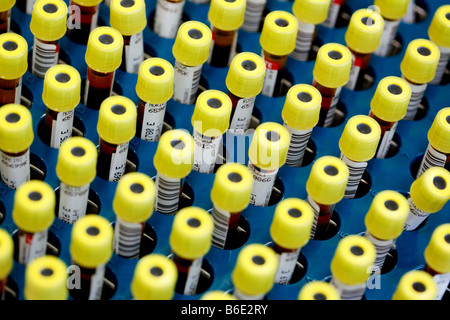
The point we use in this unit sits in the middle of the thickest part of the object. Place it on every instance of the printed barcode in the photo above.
(356, 170)
(415, 216)
(432, 158)
(127, 239)
(253, 14)
(387, 37)
(194, 87)
(442, 64)
(45, 56)
(354, 74)
(221, 219)
(332, 110)
(417, 92)
(333, 13)
(305, 37)
(347, 292)
(316, 210)
(168, 194)
(385, 142)
(297, 147)
(382, 248)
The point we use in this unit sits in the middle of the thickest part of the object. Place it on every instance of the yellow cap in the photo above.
(104, 49)
(217, 295)
(245, 76)
(232, 187)
(392, 9)
(192, 43)
(134, 198)
(415, 285)
(46, 279)
(318, 290)
(154, 278)
(227, 15)
(333, 64)
(302, 107)
(279, 33)
(34, 206)
(117, 120)
(6, 5)
(49, 20)
(77, 162)
(431, 191)
(269, 146)
(311, 11)
(439, 133)
(327, 180)
(128, 16)
(6, 254)
(91, 241)
(364, 31)
(191, 233)
(391, 98)
(155, 81)
(420, 61)
(439, 30)
(16, 128)
(212, 113)
(255, 269)
(87, 3)
(387, 215)
(13, 56)
(359, 140)
(437, 252)
(62, 87)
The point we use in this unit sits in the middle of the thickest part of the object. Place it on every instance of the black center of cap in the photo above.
(177, 144)
(127, 3)
(46, 272)
(234, 177)
(248, 65)
(157, 70)
(214, 103)
(193, 222)
(106, 39)
(281, 23)
(137, 187)
(294, 213)
(319, 296)
(272, 136)
(35, 196)
(335, 55)
(156, 271)
(195, 34)
(357, 250)
(331, 170)
(395, 89)
(258, 260)
(439, 183)
(419, 286)
(10, 45)
(391, 205)
(92, 231)
(62, 77)
(50, 8)
(78, 151)
(12, 117)
(364, 128)
(424, 51)
(118, 109)
(368, 21)
(304, 97)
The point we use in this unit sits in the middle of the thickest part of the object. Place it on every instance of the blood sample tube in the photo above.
(325, 187)
(290, 231)
(300, 115)
(155, 277)
(418, 68)
(33, 213)
(103, 57)
(267, 153)
(13, 65)
(415, 285)
(333, 13)
(217, 295)
(210, 120)
(154, 88)
(173, 162)
(191, 50)
(318, 290)
(90, 250)
(133, 204)
(190, 241)
(439, 33)
(362, 38)
(168, 17)
(254, 273)
(226, 17)
(61, 95)
(230, 195)
(26, 5)
(358, 144)
(116, 127)
(428, 194)
(5, 15)
(76, 169)
(410, 16)
(129, 18)
(46, 279)
(254, 11)
(16, 136)
(82, 20)
(6, 260)
(277, 41)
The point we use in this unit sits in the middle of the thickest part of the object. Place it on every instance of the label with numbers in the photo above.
(242, 115)
(387, 37)
(356, 170)
(263, 182)
(32, 246)
(385, 142)
(45, 56)
(417, 92)
(118, 162)
(152, 123)
(15, 170)
(72, 202)
(270, 78)
(206, 150)
(441, 281)
(382, 247)
(96, 286)
(168, 18)
(193, 276)
(415, 217)
(134, 53)
(185, 83)
(221, 226)
(61, 128)
(333, 14)
(305, 37)
(287, 262)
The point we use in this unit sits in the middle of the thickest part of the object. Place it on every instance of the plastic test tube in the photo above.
(358, 144)
(191, 50)
(82, 20)
(415, 285)
(254, 11)
(103, 57)
(5, 15)
(190, 241)
(6, 260)
(439, 33)
(129, 18)
(26, 5)
(410, 16)
(333, 13)
(230, 195)
(154, 88)
(168, 17)
(267, 153)
(33, 213)
(300, 115)
(277, 41)
(318, 290)
(116, 126)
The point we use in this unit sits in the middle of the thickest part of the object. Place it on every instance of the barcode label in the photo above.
(286, 265)
(385, 142)
(347, 292)
(242, 115)
(31, 246)
(297, 146)
(415, 217)
(134, 53)
(127, 238)
(417, 92)
(45, 56)
(61, 128)
(253, 15)
(239, 295)
(193, 276)
(263, 182)
(410, 16)
(206, 150)
(168, 18)
(270, 79)
(333, 13)
(442, 65)
(167, 194)
(185, 83)
(18, 94)
(305, 37)
(29, 6)
(387, 37)
(382, 248)
(72, 202)
(354, 73)
(15, 170)
(432, 158)
(442, 281)
(316, 210)
(118, 162)
(221, 222)
(96, 285)
(152, 123)
(356, 171)
(332, 110)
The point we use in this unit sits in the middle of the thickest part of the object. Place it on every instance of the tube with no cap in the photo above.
(254, 11)
(415, 285)
(82, 20)
(439, 33)
(334, 11)
(6, 260)
(318, 290)
(168, 17)
(5, 15)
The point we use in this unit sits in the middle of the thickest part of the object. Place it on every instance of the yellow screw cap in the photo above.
(128, 16)
(245, 76)
(439, 30)
(391, 98)
(6, 5)
(420, 61)
(232, 187)
(437, 252)
(439, 133)
(255, 269)
(327, 180)
(359, 140)
(192, 43)
(415, 285)
(87, 3)
(191, 233)
(104, 49)
(175, 154)
(34, 206)
(311, 11)
(291, 224)
(6, 254)
(62, 87)
(13, 56)
(333, 64)
(154, 278)
(302, 107)
(318, 290)
(392, 9)
(217, 295)
(269, 146)
(49, 20)
(364, 31)
(431, 191)
(46, 279)
(227, 15)
(91, 242)
(16, 128)
(279, 33)
(155, 81)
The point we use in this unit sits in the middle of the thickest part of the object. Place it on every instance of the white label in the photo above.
(95, 290)
(152, 123)
(354, 73)
(167, 194)
(385, 142)
(18, 95)
(242, 115)
(239, 295)
(221, 226)
(193, 277)
(72, 202)
(118, 162)
(270, 79)
(387, 37)
(127, 238)
(168, 18)
(253, 14)
(29, 6)
(185, 83)
(410, 16)
(305, 37)
(382, 247)
(263, 182)
(287, 262)
(297, 146)
(415, 217)
(134, 53)
(442, 64)
(332, 110)
(32, 246)
(94, 20)
(61, 128)
(432, 158)
(15, 170)
(417, 92)
(45, 56)
(347, 292)
(441, 281)
(333, 13)
(316, 210)
(356, 171)
(206, 150)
